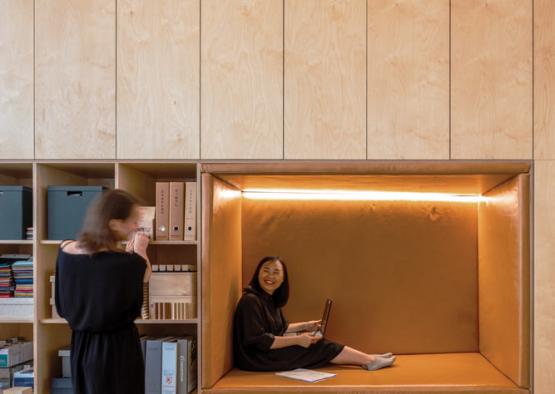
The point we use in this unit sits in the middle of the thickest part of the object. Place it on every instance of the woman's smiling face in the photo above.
(270, 276)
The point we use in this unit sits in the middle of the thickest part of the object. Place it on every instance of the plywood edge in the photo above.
(368, 167)
(207, 186)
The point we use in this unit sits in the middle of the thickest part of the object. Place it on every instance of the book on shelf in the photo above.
(190, 225)
(170, 366)
(162, 211)
(177, 190)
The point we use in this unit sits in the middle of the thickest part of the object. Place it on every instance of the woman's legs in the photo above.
(352, 356)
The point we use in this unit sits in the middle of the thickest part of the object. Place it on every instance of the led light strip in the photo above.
(348, 195)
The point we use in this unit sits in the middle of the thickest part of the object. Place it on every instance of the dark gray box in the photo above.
(61, 386)
(16, 211)
(67, 206)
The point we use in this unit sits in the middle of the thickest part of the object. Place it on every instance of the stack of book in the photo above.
(170, 365)
(6, 272)
(176, 211)
(23, 275)
(6, 280)
(144, 309)
(29, 233)
(24, 378)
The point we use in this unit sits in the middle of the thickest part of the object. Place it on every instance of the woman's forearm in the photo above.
(281, 342)
(295, 327)
(148, 270)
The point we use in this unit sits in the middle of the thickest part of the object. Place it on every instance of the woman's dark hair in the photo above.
(281, 295)
(96, 233)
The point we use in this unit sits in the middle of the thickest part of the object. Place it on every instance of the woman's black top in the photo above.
(101, 295)
(257, 321)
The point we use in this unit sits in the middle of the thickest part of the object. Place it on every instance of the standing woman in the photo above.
(99, 290)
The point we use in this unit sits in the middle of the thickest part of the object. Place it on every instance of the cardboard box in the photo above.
(16, 353)
(19, 390)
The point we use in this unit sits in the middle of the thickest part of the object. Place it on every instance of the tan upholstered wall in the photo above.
(403, 276)
(504, 275)
(221, 271)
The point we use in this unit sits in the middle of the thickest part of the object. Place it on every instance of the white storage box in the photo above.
(173, 284)
(17, 308)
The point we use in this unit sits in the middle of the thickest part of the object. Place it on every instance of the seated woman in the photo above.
(259, 343)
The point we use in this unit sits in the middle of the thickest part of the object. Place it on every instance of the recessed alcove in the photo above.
(429, 260)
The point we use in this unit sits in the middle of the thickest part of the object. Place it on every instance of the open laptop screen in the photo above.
(326, 316)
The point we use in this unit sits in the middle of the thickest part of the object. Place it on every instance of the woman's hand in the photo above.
(307, 340)
(140, 243)
(130, 244)
(312, 325)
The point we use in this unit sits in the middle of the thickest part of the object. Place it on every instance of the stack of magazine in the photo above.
(306, 375)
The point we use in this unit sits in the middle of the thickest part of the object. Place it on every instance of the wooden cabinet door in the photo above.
(75, 79)
(491, 79)
(408, 79)
(325, 79)
(242, 79)
(544, 79)
(158, 79)
(16, 80)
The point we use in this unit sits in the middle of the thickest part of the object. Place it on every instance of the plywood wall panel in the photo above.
(408, 79)
(158, 79)
(544, 278)
(544, 79)
(75, 79)
(325, 79)
(16, 80)
(491, 76)
(242, 79)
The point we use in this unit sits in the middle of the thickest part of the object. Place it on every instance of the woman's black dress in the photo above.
(257, 320)
(100, 296)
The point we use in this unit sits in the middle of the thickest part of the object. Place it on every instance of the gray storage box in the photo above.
(16, 211)
(64, 353)
(61, 386)
(67, 206)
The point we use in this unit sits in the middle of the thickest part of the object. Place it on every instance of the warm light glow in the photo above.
(349, 195)
(227, 194)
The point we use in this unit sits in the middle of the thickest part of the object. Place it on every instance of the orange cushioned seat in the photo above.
(434, 373)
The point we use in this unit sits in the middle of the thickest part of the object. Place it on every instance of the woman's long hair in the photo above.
(281, 294)
(96, 233)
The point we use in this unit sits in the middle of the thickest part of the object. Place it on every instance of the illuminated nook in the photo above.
(429, 260)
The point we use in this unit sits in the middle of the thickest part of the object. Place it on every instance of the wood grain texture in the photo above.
(544, 278)
(325, 79)
(75, 79)
(369, 167)
(16, 80)
(544, 79)
(491, 76)
(408, 79)
(242, 79)
(158, 79)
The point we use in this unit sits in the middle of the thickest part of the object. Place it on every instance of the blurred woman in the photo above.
(99, 291)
